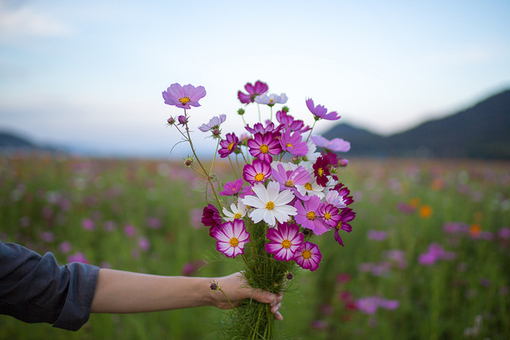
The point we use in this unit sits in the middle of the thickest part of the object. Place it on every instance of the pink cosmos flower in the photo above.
(291, 123)
(257, 172)
(376, 235)
(144, 243)
(65, 247)
(214, 123)
(129, 230)
(308, 216)
(211, 218)
(183, 96)
(329, 213)
(77, 257)
(263, 146)
(232, 188)
(88, 224)
(289, 179)
(434, 253)
(346, 216)
(336, 144)
(321, 171)
(370, 304)
(228, 145)
(231, 238)
(284, 241)
(253, 91)
(308, 256)
(259, 128)
(320, 112)
(293, 144)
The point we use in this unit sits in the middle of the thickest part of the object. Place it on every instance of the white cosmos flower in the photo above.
(311, 189)
(271, 99)
(237, 211)
(270, 204)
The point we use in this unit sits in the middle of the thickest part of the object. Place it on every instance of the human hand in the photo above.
(236, 289)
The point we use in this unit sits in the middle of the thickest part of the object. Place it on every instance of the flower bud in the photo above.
(214, 286)
(289, 276)
(183, 120)
(188, 161)
(241, 112)
(216, 133)
(286, 109)
(171, 121)
(344, 162)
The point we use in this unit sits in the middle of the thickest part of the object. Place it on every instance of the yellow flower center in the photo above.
(339, 225)
(306, 254)
(237, 216)
(259, 177)
(234, 242)
(310, 215)
(320, 172)
(289, 183)
(269, 205)
(290, 145)
(184, 100)
(286, 244)
(327, 216)
(308, 186)
(271, 101)
(230, 146)
(264, 148)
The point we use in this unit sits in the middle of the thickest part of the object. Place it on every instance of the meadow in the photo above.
(428, 256)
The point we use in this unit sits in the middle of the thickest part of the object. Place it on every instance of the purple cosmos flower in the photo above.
(214, 123)
(290, 179)
(293, 124)
(334, 198)
(263, 146)
(77, 257)
(370, 304)
(228, 145)
(130, 230)
(88, 224)
(183, 96)
(308, 216)
(329, 213)
(144, 243)
(231, 238)
(211, 218)
(232, 188)
(253, 91)
(259, 128)
(376, 235)
(271, 99)
(284, 241)
(344, 192)
(308, 256)
(346, 216)
(320, 111)
(257, 172)
(434, 253)
(65, 247)
(293, 144)
(336, 144)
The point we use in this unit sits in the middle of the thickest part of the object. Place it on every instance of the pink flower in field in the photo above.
(257, 172)
(259, 128)
(285, 240)
(320, 112)
(330, 214)
(88, 224)
(293, 144)
(144, 243)
(336, 144)
(253, 91)
(183, 96)
(190, 268)
(232, 188)
(110, 226)
(65, 247)
(289, 179)
(434, 253)
(370, 304)
(504, 233)
(231, 238)
(211, 218)
(376, 235)
(308, 215)
(346, 216)
(308, 256)
(77, 257)
(154, 222)
(47, 236)
(228, 145)
(263, 146)
(129, 230)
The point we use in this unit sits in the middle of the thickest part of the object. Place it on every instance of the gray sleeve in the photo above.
(34, 288)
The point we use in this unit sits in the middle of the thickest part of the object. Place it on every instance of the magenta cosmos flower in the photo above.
(290, 179)
(308, 256)
(228, 145)
(253, 91)
(346, 216)
(284, 241)
(183, 96)
(293, 144)
(308, 216)
(320, 112)
(257, 172)
(263, 146)
(336, 144)
(232, 188)
(321, 171)
(231, 238)
(211, 218)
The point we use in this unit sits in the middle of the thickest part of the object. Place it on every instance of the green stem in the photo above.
(226, 297)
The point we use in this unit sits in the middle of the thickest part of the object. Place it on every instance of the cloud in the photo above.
(26, 21)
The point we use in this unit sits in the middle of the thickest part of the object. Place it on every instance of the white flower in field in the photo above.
(237, 211)
(270, 204)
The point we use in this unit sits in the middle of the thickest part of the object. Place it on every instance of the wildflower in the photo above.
(475, 230)
(308, 215)
(336, 144)
(263, 146)
(232, 188)
(290, 179)
(214, 123)
(183, 120)
(284, 241)
(320, 112)
(346, 216)
(231, 238)
(171, 121)
(154, 222)
(329, 214)
(130, 230)
(88, 224)
(425, 211)
(144, 243)
(321, 171)
(214, 286)
(237, 211)
(291, 123)
(228, 145)
(376, 235)
(211, 218)
(370, 304)
(270, 204)
(271, 99)
(308, 256)
(188, 161)
(183, 96)
(47, 236)
(310, 189)
(260, 128)
(77, 257)
(253, 91)
(434, 253)
(334, 198)
(257, 172)
(289, 276)
(293, 144)
(65, 247)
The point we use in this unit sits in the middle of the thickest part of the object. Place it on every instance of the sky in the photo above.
(90, 74)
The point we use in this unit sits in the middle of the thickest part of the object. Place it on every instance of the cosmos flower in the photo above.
(290, 178)
(211, 218)
(257, 172)
(346, 216)
(336, 144)
(293, 144)
(308, 256)
(321, 171)
(285, 240)
(260, 128)
(263, 146)
(214, 123)
(231, 238)
(329, 213)
(320, 112)
(228, 145)
(237, 211)
(270, 204)
(271, 99)
(308, 215)
(183, 96)
(253, 91)
(232, 188)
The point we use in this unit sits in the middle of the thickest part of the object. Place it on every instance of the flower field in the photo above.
(428, 256)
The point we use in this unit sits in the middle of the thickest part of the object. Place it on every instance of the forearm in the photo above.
(127, 292)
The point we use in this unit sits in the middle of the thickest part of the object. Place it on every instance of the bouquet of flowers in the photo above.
(284, 194)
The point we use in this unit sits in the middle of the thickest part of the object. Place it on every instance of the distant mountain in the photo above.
(481, 131)
(10, 142)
